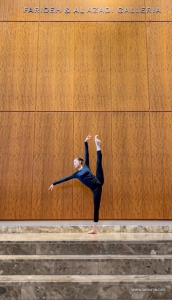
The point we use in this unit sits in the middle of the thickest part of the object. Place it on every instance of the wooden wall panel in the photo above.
(159, 36)
(93, 123)
(53, 160)
(1, 10)
(16, 153)
(1, 62)
(55, 67)
(161, 139)
(13, 10)
(92, 76)
(92, 67)
(166, 9)
(132, 176)
(19, 66)
(129, 82)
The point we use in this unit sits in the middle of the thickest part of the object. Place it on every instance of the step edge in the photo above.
(85, 278)
(86, 257)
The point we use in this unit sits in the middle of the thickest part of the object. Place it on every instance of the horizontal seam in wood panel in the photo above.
(58, 21)
(89, 111)
(122, 219)
(85, 111)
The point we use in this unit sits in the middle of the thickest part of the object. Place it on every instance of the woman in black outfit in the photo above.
(85, 175)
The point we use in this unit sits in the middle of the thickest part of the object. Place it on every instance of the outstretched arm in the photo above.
(86, 150)
(61, 180)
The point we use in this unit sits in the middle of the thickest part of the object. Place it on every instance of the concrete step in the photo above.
(85, 264)
(66, 227)
(84, 244)
(106, 287)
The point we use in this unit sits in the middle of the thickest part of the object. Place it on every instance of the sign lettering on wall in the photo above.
(92, 10)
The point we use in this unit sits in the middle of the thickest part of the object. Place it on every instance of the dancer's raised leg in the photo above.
(99, 169)
(97, 195)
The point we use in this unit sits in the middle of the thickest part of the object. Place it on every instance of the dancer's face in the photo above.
(77, 163)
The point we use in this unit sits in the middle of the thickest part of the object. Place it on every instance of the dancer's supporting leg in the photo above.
(97, 193)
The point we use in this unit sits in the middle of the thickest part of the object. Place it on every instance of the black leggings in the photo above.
(98, 191)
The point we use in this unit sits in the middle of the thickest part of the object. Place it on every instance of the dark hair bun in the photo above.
(81, 159)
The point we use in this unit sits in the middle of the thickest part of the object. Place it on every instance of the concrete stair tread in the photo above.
(84, 237)
(85, 278)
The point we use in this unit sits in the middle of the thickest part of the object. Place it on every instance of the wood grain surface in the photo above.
(16, 157)
(1, 10)
(129, 81)
(159, 36)
(161, 140)
(55, 67)
(53, 160)
(132, 173)
(19, 66)
(13, 10)
(166, 9)
(92, 67)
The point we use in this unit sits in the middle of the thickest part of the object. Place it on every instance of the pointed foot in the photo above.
(92, 232)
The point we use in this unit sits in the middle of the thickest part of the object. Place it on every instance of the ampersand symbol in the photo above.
(67, 10)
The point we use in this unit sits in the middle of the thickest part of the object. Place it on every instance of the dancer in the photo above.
(87, 178)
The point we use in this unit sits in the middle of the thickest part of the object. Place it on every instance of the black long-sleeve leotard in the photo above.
(84, 175)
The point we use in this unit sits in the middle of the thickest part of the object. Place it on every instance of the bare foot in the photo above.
(96, 139)
(97, 142)
(92, 232)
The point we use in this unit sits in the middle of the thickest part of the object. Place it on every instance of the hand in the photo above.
(51, 187)
(88, 137)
